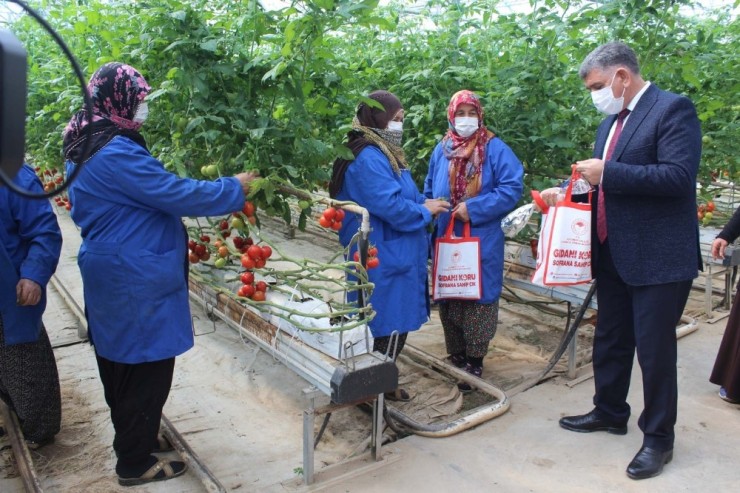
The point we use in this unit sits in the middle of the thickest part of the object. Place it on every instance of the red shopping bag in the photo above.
(564, 247)
(456, 272)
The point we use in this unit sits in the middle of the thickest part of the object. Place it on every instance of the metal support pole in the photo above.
(376, 440)
(309, 417)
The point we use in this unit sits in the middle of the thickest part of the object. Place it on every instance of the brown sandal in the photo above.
(398, 395)
(164, 469)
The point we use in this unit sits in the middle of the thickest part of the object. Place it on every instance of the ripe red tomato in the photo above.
(224, 225)
(260, 263)
(205, 239)
(238, 242)
(247, 262)
(329, 214)
(356, 256)
(249, 242)
(226, 233)
(261, 286)
(373, 262)
(248, 209)
(247, 277)
(68, 206)
(223, 251)
(710, 206)
(336, 225)
(248, 290)
(191, 244)
(194, 259)
(324, 222)
(206, 256)
(254, 252)
(252, 220)
(258, 296)
(372, 251)
(339, 216)
(199, 250)
(266, 252)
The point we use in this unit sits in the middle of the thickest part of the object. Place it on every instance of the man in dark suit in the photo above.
(645, 247)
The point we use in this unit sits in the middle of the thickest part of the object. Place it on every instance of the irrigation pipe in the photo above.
(473, 418)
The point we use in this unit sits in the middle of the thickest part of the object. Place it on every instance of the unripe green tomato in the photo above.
(304, 204)
(237, 223)
(220, 262)
(212, 170)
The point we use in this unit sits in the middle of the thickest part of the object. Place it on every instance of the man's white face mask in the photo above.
(605, 101)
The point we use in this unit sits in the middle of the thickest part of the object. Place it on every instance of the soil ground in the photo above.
(241, 411)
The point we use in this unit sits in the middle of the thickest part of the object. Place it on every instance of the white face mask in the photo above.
(142, 112)
(465, 126)
(395, 126)
(605, 101)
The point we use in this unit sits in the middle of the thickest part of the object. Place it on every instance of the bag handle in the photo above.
(574, 176)
(451, 228)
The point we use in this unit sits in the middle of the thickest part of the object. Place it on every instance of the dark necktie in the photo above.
(601, 211)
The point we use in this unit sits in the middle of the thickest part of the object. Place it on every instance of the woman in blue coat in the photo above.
(378, 180)
(483, 179)
(133, 262)
(30, 244)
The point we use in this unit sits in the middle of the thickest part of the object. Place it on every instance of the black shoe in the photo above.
(476, 371)
(648, 463)
(586, 423)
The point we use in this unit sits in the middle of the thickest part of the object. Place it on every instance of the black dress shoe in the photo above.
(587, 423)
(648, 463)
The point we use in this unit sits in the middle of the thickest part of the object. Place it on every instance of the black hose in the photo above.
(564, 342)
(321, 430)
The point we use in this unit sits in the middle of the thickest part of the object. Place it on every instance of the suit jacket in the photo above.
(650, 191)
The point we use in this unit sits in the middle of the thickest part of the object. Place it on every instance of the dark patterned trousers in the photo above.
(29, 385)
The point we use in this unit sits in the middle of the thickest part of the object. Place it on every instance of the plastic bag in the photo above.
(516, 220)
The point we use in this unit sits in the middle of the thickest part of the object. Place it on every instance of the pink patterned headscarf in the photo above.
(116, 90)
(466, 154)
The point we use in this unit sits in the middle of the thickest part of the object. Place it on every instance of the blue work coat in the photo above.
(501, 189)
(134, 249)
(30, 244)
(398, 220)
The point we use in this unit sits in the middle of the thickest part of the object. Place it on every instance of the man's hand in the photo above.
(591, 170)
(27, 293)
(718, 248)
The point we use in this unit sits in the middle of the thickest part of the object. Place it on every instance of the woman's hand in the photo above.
(27, 293)
(551, 196)
(246, 178)
(461, 212)
(435, 206)
(718, 248)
